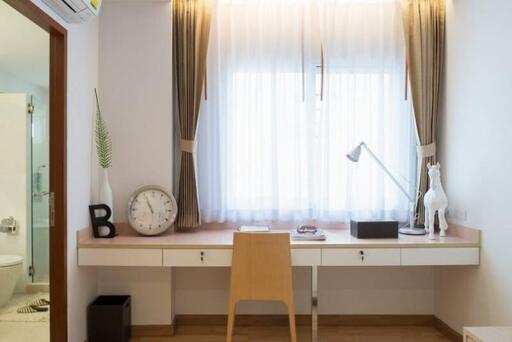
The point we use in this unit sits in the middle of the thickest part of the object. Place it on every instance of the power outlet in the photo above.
(451, 213)
(461, 215)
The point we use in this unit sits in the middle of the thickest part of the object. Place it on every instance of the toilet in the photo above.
(10, 268)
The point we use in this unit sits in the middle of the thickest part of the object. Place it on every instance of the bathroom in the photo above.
(24, 178)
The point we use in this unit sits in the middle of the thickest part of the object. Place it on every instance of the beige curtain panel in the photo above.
(424, 28)
(191, 28)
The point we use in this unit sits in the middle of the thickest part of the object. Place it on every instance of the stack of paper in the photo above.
(252, 229)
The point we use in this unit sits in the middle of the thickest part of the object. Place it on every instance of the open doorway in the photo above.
(33, 306)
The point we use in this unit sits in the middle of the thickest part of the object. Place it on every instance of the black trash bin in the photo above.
(109, 319)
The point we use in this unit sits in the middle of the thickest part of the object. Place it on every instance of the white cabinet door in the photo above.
(361, 256)
(197, 257)
(440, 256)
(119, 257)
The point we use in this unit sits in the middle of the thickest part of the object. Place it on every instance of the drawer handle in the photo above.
(361, 253)
(202, 256)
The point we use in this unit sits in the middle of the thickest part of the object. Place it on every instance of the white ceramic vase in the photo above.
(105, 196)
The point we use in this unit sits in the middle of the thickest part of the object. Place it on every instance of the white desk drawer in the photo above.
(222, 257)
(361, 256)
(306, 257)
(119, 257)
(440, 256)
(197, 257)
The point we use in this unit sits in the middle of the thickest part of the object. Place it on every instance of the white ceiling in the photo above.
(24, 47)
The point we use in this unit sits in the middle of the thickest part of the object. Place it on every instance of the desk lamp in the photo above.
(411, 230)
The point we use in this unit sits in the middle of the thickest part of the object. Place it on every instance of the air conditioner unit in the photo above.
(75, 11)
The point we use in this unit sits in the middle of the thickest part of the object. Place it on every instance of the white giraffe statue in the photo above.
(435, 200)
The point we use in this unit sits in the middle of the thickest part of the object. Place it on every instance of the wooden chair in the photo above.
(261, 270)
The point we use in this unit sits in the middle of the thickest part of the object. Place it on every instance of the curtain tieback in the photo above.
(188, 146)
(425, 151)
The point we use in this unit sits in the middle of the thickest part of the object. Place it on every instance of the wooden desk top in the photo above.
(220, 236)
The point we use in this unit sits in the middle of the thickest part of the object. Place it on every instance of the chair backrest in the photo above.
(261, 267)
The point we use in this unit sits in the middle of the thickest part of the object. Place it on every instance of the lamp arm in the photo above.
(388, 172)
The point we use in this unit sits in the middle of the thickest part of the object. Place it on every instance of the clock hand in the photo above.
(149, 204)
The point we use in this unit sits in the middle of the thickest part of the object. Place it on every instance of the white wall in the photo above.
(135, 86)
(341, 290)
(82, 78)
(476, 143)
(135, 91)
(149, 288)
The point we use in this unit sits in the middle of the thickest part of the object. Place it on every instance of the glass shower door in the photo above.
(40, 157)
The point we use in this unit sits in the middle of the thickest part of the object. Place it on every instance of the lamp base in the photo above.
(412, 231)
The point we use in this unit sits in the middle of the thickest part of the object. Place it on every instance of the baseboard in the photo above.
(447, 331)
(376, 320)
(305, 320)
(301, 320)
(153, 330)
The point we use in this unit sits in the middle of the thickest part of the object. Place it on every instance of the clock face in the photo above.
(151, 210)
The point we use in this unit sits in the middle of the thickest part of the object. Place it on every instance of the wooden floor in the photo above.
(327, 334)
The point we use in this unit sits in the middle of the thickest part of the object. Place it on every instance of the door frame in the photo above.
(58, 164)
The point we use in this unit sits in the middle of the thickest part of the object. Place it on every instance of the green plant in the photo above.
(103, 141)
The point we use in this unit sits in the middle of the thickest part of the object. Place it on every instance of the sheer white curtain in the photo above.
(364, 101)
(269, 148)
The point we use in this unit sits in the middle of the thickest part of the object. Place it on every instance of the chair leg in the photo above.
(231, 321)
(291, 316)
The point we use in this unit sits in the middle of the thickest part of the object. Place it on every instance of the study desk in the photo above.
(211, 246)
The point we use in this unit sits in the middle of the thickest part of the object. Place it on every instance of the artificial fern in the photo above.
(103, 141)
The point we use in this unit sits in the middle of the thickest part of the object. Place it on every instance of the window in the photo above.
(271, 146)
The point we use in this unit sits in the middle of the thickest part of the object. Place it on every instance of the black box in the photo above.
(374, 229)
(109, 319)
